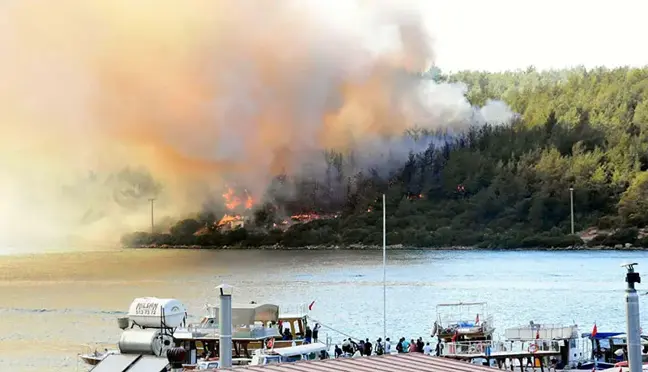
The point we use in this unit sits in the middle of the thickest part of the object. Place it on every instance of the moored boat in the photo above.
(463, 321)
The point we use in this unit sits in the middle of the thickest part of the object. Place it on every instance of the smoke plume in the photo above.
(105, 104)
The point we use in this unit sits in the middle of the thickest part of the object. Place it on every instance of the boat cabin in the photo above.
(250, 330)
(290, 354)
(463, 321)
(564, 338)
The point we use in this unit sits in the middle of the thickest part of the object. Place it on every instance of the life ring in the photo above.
(533, 348)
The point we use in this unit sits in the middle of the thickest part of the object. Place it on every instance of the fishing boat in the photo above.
(463, 321)
(93, 358)
(603, 350)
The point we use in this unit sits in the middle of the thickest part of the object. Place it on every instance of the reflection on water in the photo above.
(54, 303)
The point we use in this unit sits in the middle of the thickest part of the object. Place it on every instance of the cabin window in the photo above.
(272, 360)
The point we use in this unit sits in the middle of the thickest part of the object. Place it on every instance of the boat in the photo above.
(605, 349)
(96, 356)
(463, 321)
(290, 354)
(296, 321)
(564, 338)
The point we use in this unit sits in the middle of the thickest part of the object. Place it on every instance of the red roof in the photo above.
(410, 362)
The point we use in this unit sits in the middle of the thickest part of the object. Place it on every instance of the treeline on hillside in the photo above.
(505, 186)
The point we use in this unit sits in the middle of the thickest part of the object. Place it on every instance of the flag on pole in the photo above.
(310, 307)
(477, 319)
(594, 330)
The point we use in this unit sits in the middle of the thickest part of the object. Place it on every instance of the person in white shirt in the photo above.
(387, 346)
(427, 349)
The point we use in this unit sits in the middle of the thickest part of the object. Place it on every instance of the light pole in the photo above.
(225, 326)
(633, 319)
(571, 202)
(152, 200)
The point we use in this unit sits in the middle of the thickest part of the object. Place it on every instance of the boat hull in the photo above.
(91, 360)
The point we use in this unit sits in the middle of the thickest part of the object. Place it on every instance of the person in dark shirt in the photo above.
(308, 336)
(316, 332)
(367, 347)
(399, 346)
(338, 351)
(419, 345)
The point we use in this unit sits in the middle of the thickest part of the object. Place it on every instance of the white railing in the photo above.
(485, 347)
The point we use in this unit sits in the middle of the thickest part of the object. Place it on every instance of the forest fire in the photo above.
(306, 217)
(233, 201)
(231, 221)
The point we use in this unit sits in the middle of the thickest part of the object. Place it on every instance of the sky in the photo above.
(499, 35)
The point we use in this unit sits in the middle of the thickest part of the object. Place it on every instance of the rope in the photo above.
(333, 329)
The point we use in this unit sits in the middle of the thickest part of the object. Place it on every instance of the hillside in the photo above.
(494, 186)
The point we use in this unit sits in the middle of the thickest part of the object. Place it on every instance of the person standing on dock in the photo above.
(420, 345)
(387, 346)
(427, 349)
(316, 332)
(379, 346)
(412, 346)
(368, 348)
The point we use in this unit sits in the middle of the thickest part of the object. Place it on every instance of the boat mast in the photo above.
(384, 270)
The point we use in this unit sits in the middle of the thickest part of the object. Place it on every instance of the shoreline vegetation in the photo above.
(358, 247)
(580, 143)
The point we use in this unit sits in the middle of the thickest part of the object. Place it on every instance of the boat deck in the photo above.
(503, 354)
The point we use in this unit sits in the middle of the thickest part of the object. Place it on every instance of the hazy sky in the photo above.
(509, 34)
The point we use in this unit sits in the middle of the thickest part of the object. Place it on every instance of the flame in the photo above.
(232, 201)
(249, 201)
(229, 219)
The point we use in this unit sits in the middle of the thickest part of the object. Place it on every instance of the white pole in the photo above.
(633, 319)
(384, 270)
(571, 202)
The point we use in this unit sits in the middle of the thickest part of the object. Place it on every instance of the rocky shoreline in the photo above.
(361, 247)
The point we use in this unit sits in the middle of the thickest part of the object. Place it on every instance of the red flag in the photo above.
(310, 307)
(454, 337)
(538, 334)
(594, 330)
(477, 319)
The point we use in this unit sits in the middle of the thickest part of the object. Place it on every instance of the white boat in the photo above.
(463, 321)
(96, 356)
(290, 354)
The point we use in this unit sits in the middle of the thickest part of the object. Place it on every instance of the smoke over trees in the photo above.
(205, 95)
(499, 186)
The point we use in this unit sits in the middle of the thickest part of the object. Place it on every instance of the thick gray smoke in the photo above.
(192, 96)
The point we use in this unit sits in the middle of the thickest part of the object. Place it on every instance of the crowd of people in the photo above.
(354, 349)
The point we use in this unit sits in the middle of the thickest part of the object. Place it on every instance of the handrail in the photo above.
(480, 347)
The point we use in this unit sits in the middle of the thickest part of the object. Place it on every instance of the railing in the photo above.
(490, 347)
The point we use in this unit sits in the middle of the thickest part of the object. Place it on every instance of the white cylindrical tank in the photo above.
(153, 312)
(145, 341)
